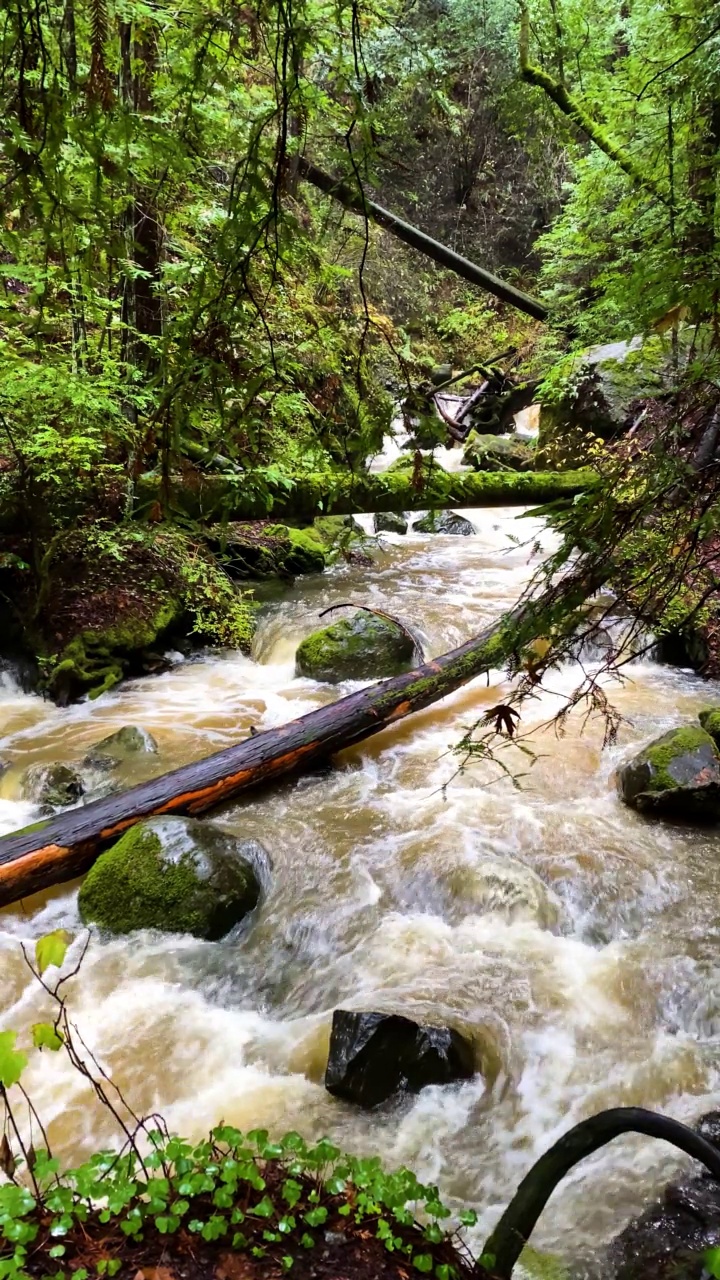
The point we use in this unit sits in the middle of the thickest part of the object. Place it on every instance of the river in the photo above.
(576, 941)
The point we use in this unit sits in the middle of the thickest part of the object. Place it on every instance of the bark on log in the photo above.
(65, 846)
(219, 497)
(349, 196)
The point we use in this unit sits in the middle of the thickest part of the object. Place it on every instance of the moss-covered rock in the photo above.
(444, 522)
(498, 453)
(677, 774)
(363, 647)
(590, 394)
(52, 786)
(390, 522)
(259, 549)
(709, 718)
(177, 875)
(129, 741)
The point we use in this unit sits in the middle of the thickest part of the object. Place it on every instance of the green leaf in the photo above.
(57, 1251)
(45, 1036)
(12, 1061)
(264, 1209)
(316, 1217)
(52, 949)
(423, 1262)
(468, 1218)
(711, 1262)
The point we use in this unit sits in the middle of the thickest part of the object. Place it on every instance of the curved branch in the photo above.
(573, 108)
(516, 1225)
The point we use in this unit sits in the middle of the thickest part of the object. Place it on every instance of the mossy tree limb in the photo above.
(216, 498)
(571, 106)
(67, 846)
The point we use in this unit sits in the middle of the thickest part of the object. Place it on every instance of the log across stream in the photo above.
(575, 941)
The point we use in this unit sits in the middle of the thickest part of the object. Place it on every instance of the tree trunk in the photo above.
(352, 199)
(63, 847)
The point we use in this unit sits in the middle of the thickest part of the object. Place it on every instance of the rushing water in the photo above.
(577, 942)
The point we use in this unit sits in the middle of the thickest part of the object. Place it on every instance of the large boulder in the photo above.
(174, 874)
(591, 394)
(376, 1055)
(498, 453)
(677, 774)
(390, 522)
(261, 549)
(129, 741)
(51, 786)
(669, 1240)
(363, 647)
(444, 522)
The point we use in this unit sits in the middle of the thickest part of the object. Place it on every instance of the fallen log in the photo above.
(213, 498)
(63, 847)
(351, 198)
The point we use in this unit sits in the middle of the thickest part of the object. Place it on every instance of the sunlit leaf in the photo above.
(52, 949)
(12, 1061)
(46, 1036)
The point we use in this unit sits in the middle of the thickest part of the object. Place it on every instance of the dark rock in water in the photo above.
(129, 741)
(375, 1055)
(363, 647)
(686, 648)
(52, 786)
(444, 522)
(175, 874)
(677, 774)
(440, 374)
(668, 1241)
(710, 720)
(390, 522)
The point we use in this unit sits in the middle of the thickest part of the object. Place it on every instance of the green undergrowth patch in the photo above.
(273, 1201)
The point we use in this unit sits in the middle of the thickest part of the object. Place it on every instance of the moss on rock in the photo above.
(177, 875)
(677, 774)
(128, 741)
(363, 647)
(444, 522)
(709, 718)
(52, 786)
(498, 453)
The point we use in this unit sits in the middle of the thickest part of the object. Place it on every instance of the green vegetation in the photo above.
(364, 647)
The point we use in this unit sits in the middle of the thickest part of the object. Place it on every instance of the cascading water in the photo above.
(577, 942)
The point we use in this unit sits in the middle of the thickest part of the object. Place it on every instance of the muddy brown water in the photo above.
(577, 942)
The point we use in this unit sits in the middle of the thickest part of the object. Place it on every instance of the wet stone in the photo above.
(374, 1056)
(129, 741)
(444, 522)
(389, 522)
(52, 786)
(677, 774)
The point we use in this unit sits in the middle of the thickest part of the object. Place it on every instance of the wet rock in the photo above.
(444, 522)
(503, 887)
(591, 394)
(129, 741)
(668, 1241)
(256, 549)
(677, 774)
(362, 647)
(498, 453)
(376, 1055)
(175, 874)
(440, 374)
(390, 522)
(710, 720)
(52, 786)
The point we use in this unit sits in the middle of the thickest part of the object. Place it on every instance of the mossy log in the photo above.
(215, 498)
(65, 846)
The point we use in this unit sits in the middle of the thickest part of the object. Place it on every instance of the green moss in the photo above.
(709, 718)
(363, 647)
(661, 754)
(159, 875)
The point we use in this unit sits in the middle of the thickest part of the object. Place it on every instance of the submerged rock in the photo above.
(669, 1240)
(677, 774)
(444, 522)
(52, 786)
(375, 1055)
(390, 522)
(710, 720)
(129, 741)
(498, 453)
(503, 887)
(174, 874)
(362, 647)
